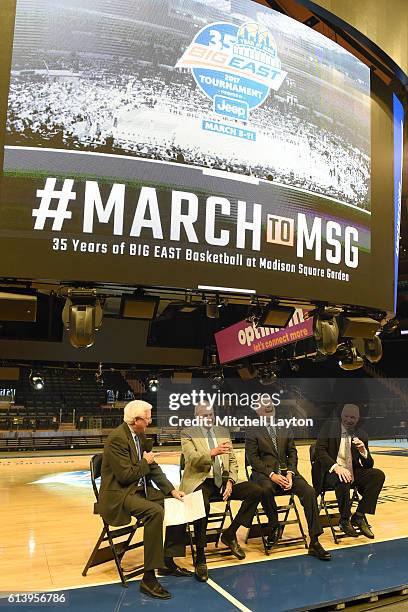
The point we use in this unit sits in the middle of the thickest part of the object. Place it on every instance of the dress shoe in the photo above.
(316, 550)
(154, 589)
(175, 571)
(273, 536)
(348, 528)
(201, 572)
(233, 545)
(361, 523)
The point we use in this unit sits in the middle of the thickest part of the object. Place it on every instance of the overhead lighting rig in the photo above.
(82, 316)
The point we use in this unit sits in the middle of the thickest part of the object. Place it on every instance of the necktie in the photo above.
(142, 480)
(272, 434)
(217, 465)
(348, 458)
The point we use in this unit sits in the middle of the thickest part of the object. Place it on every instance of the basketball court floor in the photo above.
(48, 529)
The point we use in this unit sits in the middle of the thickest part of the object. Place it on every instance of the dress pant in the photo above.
(249, 492)
(368, 481)
(301, 489)
(151, 511)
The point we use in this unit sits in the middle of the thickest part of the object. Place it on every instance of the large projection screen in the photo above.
(193, 142)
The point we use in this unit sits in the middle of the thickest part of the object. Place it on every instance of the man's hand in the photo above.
(227, 491)
(289, 478)
(280, 480)
(222, 449)
(343, 474)
(360, 445)
(178, 494)
(149, 457)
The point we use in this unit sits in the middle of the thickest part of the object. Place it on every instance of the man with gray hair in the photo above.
(128, 471)
(212, 468)
(344, 460)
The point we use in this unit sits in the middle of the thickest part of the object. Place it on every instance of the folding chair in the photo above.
(260, 528)
(113, 551)
(215, 526)
(330, 507)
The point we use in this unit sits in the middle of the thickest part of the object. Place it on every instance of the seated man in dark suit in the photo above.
(343, 458)
(273, 458)
(128, 470)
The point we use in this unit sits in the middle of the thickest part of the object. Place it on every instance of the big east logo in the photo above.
(234, 66)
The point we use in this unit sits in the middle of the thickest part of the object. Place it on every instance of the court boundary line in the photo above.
(228, 596)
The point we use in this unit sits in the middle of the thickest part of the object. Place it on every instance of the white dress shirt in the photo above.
(346, 439)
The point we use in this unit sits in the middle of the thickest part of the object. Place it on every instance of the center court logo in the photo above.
(235, 66)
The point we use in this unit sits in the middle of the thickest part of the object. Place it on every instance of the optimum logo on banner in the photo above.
(236, 67)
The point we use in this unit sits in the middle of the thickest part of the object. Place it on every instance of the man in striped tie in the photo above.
(211, 467)
(273, 458)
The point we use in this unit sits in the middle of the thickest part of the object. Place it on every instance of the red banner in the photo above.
(244, 339)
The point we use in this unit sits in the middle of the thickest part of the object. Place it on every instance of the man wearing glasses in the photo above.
(128, 470)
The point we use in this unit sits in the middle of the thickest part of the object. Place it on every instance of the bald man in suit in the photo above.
(344, 459)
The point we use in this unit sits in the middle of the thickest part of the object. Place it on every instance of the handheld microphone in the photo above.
(148, 445)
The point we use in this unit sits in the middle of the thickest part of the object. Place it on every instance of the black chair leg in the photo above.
(94, 552)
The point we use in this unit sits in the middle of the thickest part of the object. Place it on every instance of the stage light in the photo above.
(212, 309)
(294, 366)
(82, 316)
(139, 306)
(349, 358)
(267, 375)
(358, 327)
(247, 372)
(218, 380)
(226, 289)
(153, 384)
(326, 331)
(371, 348)
(36, 380)
(255, 312)
(274, 315)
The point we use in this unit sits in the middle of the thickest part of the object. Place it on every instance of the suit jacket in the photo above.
(327, 448)
(261, 453)
(121, 471)
(198, 462)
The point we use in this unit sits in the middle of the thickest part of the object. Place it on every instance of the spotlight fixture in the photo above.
(247, 372)
(349, 358)
(267, 376)
(326, 330)
(139, 306)
(274, 315)
(358, 327)
(217, 379)
(214, 359)
(294, 366)
(370, 348)
(36, 380)
(82, 316)
(153, 384)
(212, 306)
(255, 312)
